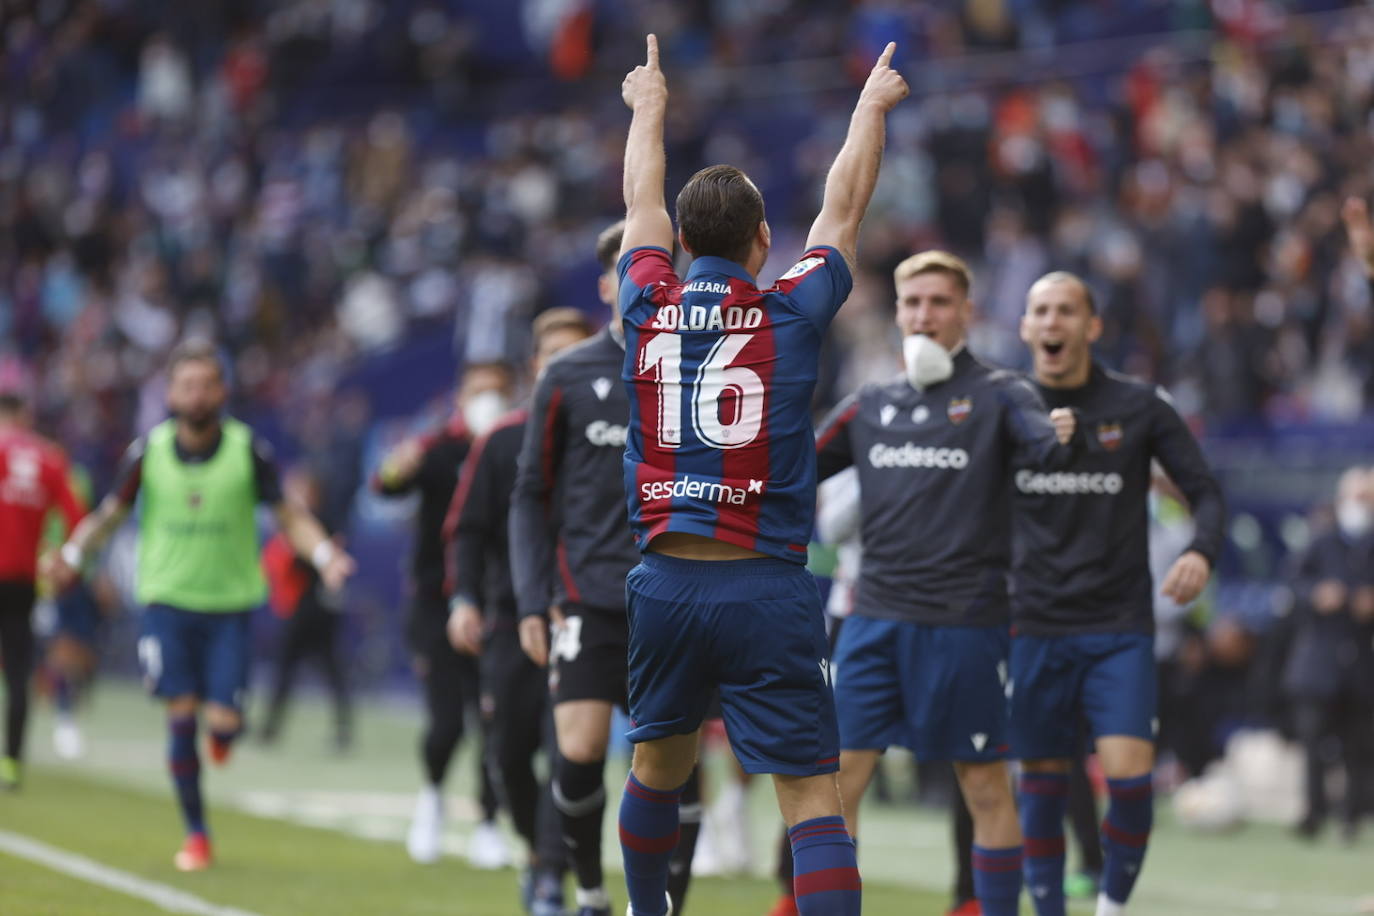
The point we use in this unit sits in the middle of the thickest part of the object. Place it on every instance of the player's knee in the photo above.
(661, 766)
(182, 706)
(985, 787)
(581, 749)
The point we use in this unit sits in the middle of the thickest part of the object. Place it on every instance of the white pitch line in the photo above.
(163, 896)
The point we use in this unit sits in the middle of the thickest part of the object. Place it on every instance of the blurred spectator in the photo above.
(1329, 675)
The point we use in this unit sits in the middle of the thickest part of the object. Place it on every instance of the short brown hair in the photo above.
(718, 212)
(608, 246)
(935, 262)
(194, 350)
(559, 318)
(1064, 276)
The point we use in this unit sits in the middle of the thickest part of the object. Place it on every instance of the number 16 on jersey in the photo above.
(726, 402)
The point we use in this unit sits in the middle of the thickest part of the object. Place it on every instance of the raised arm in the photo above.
(646, 213)
(849, 186)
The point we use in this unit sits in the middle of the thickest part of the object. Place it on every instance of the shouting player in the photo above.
(922, 660)
(720, 473)
(33, 481)
(483, 622)
(198, 479)
(1083, 598)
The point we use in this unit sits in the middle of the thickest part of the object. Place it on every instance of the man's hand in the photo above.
(1187, 578)
(1329, 596)
(402, 462)
(645, 83)
(59, 573)
(1362, 606)
(465, 628)
(534, 639)
(1065, 423)
(337, 570)
(885, 86)
(1360, 231)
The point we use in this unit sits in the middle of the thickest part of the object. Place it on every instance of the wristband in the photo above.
(322, 554)
(72, 555)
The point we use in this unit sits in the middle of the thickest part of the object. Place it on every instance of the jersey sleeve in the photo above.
(818, 284)
(1173, 445)
(265, 474)
(129, 476)
(471, 521)
(533, 535)
(1026, 422)
(643, 273)
(838, 508)
(834, 450)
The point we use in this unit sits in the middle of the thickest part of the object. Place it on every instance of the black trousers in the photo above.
(1340, 728)
(16, 654)
(311, 633)
(515, 705)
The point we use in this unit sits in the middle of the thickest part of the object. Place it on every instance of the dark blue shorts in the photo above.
(78, 617)
(195, 653)
(939, 691)
(1059, 681)
(754, 628)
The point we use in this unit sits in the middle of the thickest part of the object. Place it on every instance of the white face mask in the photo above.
(927, 363)
(483, 409)
(1354, 518)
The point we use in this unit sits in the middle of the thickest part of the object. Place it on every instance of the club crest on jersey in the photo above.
(1109, 434)
(886, 414)
(194, 500)
(602, 387)
(959, 409)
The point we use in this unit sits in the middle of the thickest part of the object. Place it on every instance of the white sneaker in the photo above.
(730, 815)
(488, 848)
(67, 740)
(706, 860)
(630, 910)
(427, 827)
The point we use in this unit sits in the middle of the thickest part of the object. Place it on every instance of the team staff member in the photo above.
(1083, 599)
(429, 465)
(922, 660)
(483, 622)
(570, 552)
(197, 479)
(33, 482)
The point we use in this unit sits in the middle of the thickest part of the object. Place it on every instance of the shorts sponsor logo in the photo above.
(979, 740)
(702, 318)
(710, 491)
(910, 455)
(601, 433)
(1067, 483)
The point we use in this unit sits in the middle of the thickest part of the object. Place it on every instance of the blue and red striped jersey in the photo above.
(720, 376)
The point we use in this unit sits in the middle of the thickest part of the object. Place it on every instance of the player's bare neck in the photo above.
(695, 547)
(197, 439)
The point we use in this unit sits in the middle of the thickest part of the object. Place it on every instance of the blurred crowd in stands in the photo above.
(316, 180)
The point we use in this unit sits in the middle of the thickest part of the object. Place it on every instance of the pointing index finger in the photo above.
(885, 59)
(652, 42)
